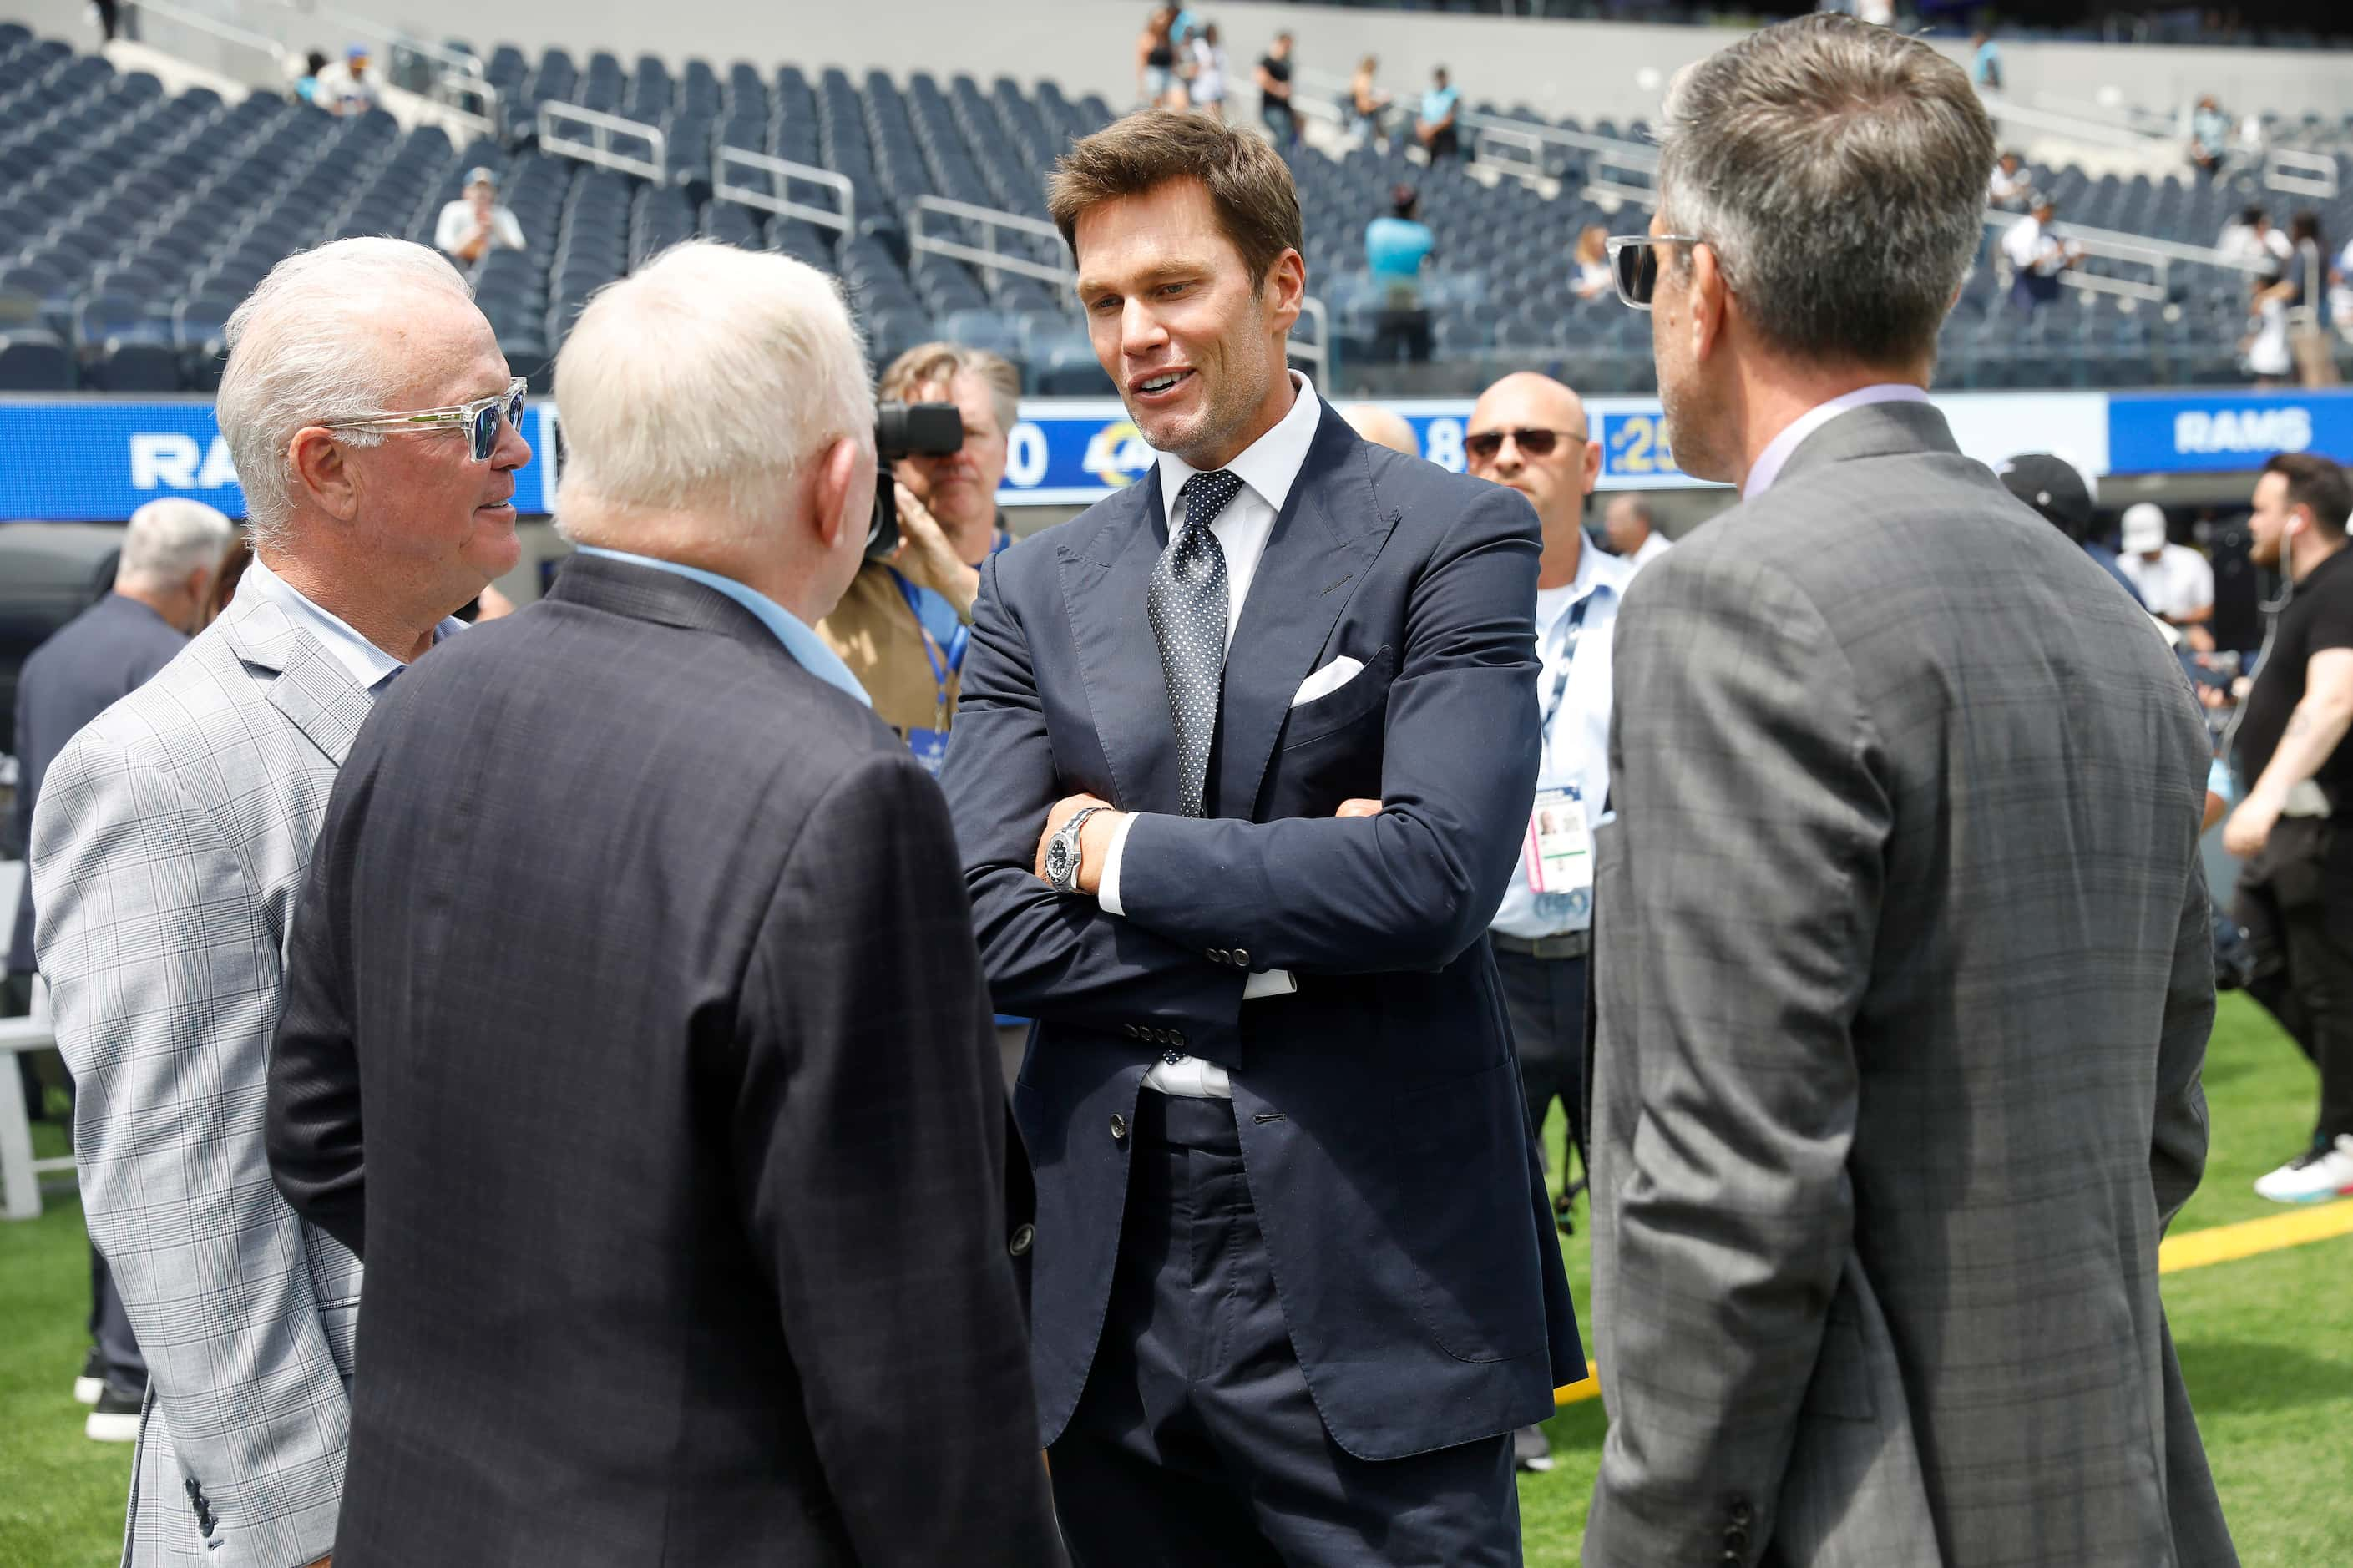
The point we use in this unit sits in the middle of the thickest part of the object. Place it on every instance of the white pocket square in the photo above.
(1328, 680)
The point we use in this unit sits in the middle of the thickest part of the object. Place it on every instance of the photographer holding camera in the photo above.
(903, 625)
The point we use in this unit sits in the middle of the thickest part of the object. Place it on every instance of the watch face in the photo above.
(1058, 859)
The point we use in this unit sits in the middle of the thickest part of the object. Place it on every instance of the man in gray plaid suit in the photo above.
(1902, 970)
(371, 417)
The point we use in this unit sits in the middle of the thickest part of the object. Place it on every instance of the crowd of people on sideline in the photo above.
(1325, 817)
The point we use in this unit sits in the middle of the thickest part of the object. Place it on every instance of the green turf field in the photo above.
(2267, 1343)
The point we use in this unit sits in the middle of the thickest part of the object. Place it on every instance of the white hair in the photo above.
(169, 538)
(305, 348)
(705, 383)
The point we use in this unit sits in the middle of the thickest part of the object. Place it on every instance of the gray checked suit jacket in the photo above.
(168, 849)
(1902, 989)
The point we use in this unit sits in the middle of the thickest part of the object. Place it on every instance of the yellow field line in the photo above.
(2218, 1244)
(2227, 1243)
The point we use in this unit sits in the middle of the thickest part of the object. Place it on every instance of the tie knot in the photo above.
(1207, 495)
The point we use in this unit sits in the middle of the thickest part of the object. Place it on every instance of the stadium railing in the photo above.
(2300, 174)
(236, 46)
(598, 149)
(783, 170)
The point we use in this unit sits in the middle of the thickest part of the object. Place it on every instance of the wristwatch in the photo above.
(1062, 852)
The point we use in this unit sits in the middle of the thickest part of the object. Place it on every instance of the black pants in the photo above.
(1282, 123)
(1196, 1444)
(2295, 899)
(1546, 1000)
(110, 1326)
(1401, 334)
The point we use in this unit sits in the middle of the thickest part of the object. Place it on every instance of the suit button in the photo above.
(1118, 1128)
(1742, 1515)
(1220, 956)
(1241, 958)
(1176, 1036)
(1134, 1033)
(1022, 1236)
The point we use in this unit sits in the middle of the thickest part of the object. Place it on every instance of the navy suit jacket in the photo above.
(89, 664)
(1379, 1107)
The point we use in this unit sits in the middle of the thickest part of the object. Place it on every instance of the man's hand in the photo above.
(1359, 808)
(2250, 827)
(925, 555)
(1094, 838)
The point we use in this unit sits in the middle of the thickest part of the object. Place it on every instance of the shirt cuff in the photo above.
(1107, 886)
(1268, 982)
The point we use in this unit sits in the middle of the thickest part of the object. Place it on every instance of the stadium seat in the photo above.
(33, 359)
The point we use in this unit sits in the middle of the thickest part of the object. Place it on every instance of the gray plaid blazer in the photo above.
(1903, 988)
(168, 849)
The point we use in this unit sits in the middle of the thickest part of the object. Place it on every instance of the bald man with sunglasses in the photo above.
(373, 421)
(1530, 434)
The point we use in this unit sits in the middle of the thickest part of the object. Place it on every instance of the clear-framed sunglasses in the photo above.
(1634, 264)
(479, 419)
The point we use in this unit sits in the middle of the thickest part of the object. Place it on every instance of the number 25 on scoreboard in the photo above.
(1636, 446)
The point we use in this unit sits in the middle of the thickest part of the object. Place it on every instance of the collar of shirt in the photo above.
(1769, 462)
(1596, 571)
(808, 649)
(1268, 470)
(368, 664)
(1272, 463)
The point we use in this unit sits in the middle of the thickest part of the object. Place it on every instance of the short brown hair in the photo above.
(1249, 183)
(929, 365)
(2319, 483)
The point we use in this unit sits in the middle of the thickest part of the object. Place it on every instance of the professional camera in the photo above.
(905, 430)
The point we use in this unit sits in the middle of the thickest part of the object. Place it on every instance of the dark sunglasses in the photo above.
(1634, 264)
(479, 420)
(1484, 446)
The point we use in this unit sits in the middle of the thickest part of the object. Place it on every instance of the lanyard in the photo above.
(1575, 621)
(931, 654)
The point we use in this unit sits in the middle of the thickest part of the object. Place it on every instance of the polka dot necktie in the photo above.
(1187, 606)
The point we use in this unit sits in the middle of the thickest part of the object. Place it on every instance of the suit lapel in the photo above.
(1105, 583)
(317, 695)
(1327, 534)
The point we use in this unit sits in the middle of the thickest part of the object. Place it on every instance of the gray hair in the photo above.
(1838, 169)
(169, 538)
(1634, 502)
(704, 382)
(303, 349)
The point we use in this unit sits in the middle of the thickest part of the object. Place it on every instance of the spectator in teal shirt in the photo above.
(1397, 248)
(1985, 63)
(1436, 128)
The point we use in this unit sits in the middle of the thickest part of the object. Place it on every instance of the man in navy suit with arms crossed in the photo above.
(1242, 761)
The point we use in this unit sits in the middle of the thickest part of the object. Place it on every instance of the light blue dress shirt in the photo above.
(807, 647)
(1578, 754)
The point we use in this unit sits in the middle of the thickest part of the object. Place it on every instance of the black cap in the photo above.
(2052, 487)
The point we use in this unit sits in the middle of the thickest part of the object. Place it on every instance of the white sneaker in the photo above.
(2316, 1176)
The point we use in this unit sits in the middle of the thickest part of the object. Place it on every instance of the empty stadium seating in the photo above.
(136, 220)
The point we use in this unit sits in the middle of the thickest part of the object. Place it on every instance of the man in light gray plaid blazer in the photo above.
(1902, 970)
(168, 847)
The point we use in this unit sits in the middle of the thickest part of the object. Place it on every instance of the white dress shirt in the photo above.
(1767, 466)
(1577, 752)
(1649, 550)
(369, 665)
(1268, 469)
(2177, 584)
